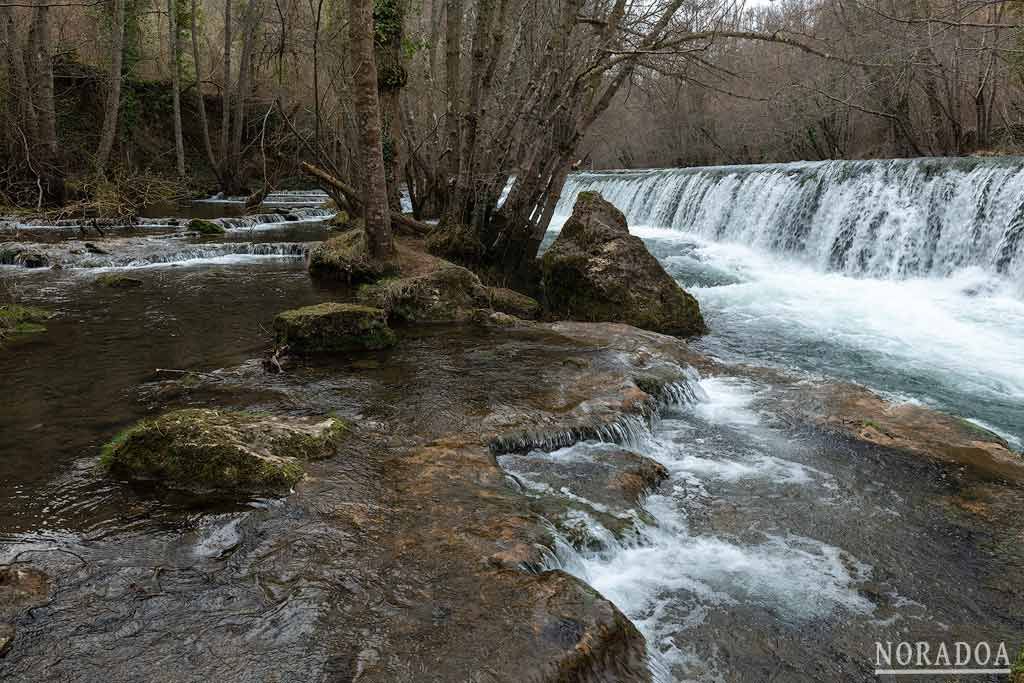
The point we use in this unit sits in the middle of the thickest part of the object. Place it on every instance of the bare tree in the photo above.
(175, 49)
(376, 215)
(113, 103)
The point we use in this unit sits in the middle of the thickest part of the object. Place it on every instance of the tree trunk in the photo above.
(113, 104)
(391, 78)
(453, 102)
(201, 102)
(375, 209)
(225, 99)
(173, 48)
(43, 60)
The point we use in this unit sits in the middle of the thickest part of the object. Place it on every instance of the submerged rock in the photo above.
(333, 327)
(345, 259)
(221, 450)
(17, 320)
(603, 482)
(22, 255)
(449, 294)
(21, 588)
(596, 271)
(118, 281)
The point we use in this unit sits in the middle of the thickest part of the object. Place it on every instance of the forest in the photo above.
(506, 341)
(109, 106)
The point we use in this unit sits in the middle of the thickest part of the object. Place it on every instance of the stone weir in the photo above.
(405, 555)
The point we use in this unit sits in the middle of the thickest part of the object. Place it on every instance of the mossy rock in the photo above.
(204, 227)
(342, 221)
(449, 294)
(345, 259)
(457, 243)
(513, 303)
(333, 327)
(20, 320)
(595, 271)
(204, 449)
(118, 281)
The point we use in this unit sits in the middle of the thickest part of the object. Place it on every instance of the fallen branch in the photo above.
(329, 182)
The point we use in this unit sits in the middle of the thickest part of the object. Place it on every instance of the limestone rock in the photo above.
(448, 294)
(344, 259)
(597, 272)
(333, 327)
(221, 450)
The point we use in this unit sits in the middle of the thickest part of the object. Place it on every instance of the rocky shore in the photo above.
(370, 531)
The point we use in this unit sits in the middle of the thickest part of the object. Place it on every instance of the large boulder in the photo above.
(221, 450)
(448, 294)
(597, 272)
(344, 259)
(333, 327)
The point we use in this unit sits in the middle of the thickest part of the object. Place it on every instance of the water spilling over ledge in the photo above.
(889, 219)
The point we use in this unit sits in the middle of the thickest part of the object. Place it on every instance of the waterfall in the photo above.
(271, 220)
(885, 219)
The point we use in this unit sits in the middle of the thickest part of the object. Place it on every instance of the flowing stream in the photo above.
(772, 552)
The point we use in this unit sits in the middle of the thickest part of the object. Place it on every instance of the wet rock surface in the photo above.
(408, 558)
(596, 271)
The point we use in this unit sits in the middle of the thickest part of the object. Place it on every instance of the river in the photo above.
(772, 553)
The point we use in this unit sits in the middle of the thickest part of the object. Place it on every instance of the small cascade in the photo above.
(890, 219)
(274, 220)
(280, 199)
(140, 252)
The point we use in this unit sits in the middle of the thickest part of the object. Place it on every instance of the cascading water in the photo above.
(885, 219)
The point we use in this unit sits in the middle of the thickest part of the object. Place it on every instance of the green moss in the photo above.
(1018, 666)
(333, 327)
(209, 449)
(204, 227)
(345, 259)
(118, 281)
(18, 320)
(458, 243)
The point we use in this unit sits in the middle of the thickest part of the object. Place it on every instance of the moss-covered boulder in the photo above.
(333, 327)
(345, 259)
(204, 227)
(18, 320)
(118, 281)
(513, 303)
(456, 242)
(449, 294)
(595, 271)
(221, 450)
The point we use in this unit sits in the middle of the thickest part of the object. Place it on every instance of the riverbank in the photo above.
(605, 503)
